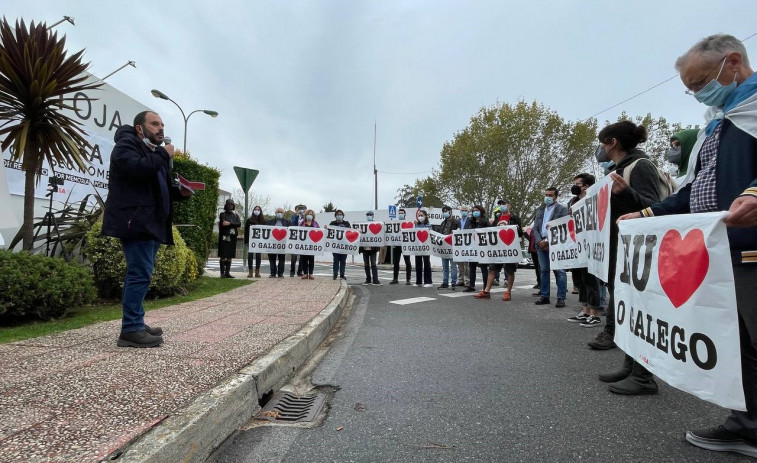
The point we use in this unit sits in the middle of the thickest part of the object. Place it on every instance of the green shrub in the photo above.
(175, 266)
(36, 286)
(199, 210)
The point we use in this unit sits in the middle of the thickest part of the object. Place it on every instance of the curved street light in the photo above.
(163, 96)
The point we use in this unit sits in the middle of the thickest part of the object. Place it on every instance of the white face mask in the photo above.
(256, 212)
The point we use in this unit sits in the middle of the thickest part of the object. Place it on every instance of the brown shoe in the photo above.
(249, 274)
(257, 273)
(482, 295)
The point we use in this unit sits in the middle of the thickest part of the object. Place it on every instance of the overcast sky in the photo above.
(299, 84)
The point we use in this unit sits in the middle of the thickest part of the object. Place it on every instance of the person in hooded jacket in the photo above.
(679, 152)
(340, 259)
(138, 211)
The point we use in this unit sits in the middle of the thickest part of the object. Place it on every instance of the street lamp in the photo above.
(163, 96)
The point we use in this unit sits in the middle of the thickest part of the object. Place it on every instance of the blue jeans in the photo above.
(560, 276)
(340, 262)
(445, 271)
(140, 262)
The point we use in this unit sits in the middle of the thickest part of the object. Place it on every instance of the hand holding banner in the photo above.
(307, 241)
(592, 222)
(342, 240)
(565, 249)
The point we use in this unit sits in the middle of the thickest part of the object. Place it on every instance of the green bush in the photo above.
(36, 286)
(175, 266)
(200, 210)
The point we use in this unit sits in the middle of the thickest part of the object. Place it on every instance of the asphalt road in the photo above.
(455, 379)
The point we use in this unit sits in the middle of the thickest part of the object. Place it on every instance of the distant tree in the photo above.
(513, 152)
(428, 187)
(329, 207)
(253, 199)
(35, 76)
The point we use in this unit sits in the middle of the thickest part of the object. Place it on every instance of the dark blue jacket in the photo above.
(735, 172)
(140, 191)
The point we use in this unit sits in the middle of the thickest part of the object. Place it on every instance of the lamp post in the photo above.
(163, 96)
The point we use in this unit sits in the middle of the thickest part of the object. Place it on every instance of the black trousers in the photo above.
(257, 260)
(308, 264)
(396, 255)
(277, 269)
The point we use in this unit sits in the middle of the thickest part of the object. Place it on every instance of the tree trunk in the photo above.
(27, 229)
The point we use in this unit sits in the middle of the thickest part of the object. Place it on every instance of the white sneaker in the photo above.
(428, 285)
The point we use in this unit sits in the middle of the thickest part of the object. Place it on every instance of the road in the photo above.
(451, 379)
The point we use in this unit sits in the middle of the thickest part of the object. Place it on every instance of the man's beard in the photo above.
(153, 137)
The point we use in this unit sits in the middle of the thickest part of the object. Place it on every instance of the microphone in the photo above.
(167, 141)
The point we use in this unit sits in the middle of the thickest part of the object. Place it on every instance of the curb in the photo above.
(193, 433)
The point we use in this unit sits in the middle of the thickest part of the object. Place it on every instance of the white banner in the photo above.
(592, 220)
(465, 246)
(342, 240)
(268, 239)
(675, 304)
(101, 112)
(416, 242)
(565, 252)
(307, 241)
(498, 245)
(393, 231)
(441, 245)
(371, 233)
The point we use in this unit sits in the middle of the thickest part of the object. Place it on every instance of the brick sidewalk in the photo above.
(75, 396)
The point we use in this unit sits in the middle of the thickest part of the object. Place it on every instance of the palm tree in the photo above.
(35, 75)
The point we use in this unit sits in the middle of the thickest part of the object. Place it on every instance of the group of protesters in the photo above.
(717, 169)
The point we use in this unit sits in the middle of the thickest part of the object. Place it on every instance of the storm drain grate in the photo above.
(291, 408)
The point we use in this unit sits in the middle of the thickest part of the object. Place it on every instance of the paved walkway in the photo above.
(75, 396)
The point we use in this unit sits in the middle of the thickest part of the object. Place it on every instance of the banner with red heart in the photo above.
(305, 241)
(497, 245)
(341, 240)
(564, 250)
(371, 234)
(675, 304)
(267, 239)
(591, 215)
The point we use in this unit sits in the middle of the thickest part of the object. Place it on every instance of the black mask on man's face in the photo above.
(575, 190)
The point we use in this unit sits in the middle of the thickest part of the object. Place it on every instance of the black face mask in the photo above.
(575, 190)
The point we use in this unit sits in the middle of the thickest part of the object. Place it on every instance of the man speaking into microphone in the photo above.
(138, 211)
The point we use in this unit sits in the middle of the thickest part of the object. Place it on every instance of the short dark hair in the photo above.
(586, 179)
(400, 210)
(338, 211)
(446, 208)
(140, 118)
(628, 134)
(557, 192)
(501, 202)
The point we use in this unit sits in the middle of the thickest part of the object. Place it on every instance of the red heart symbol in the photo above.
(279, 233)
(682, 264)
(315, 235)
(351, 236)
(602, 203)
(376, 228)
(406, 225)
(507, 236)
(422, 236)
(448, 239)
(572, 229)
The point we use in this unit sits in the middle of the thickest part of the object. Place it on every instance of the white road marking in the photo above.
(412, 300)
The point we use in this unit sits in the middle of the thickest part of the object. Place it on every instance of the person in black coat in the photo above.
(138, 211)
(228, 230)
(256, 218)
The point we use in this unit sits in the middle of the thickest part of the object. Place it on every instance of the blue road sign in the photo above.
(419, 201)
(392, 211)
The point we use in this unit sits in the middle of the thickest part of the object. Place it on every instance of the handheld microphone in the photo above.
(167, 141)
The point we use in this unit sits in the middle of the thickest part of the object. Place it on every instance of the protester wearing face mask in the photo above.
(502, 208)
(228, 229)
(369, 259)
(340, 260)
(296, 219)
(618, 143)
(397, 253)
(679, 151)
(422, 263)
(256, 218)
(448, 225)
(722, 176)
(463, 267)
(587, 284)
(278, 261)
(477, 220)
(550, 210)
(504, 218)
(308, 261)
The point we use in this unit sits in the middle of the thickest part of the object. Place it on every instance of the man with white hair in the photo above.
(722, 176)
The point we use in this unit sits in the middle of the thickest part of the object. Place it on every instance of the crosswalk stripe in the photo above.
(412, 300)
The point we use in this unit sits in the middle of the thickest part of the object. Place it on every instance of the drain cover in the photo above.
(291, 408)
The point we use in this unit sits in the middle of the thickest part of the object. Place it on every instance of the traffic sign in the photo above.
(246, 177)
(392, 211)
(419, 201)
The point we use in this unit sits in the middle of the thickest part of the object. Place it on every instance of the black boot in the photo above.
(223, 268)
(640, 381)
(618, 375)
(228, 269)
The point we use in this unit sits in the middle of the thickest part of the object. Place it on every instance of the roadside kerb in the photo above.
(194, 432)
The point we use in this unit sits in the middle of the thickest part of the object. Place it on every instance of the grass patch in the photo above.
(103, 311)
